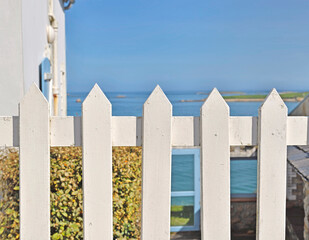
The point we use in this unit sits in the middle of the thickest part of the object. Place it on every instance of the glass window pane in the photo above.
(182, 211)
(182, 173)
(243, 176)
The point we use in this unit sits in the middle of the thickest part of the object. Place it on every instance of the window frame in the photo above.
(197, 188)
(196, 193)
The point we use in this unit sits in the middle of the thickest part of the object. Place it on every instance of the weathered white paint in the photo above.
(6, 131)
(23, 45)
(97, 166)
(34, 167)
(156, 180)
(215, 168)
(127, 131)
(243, 131)
(272, 167)
(58, 56)
(185, 131)
(60, 16)
(297, 131)
(63, 87)
(65, 131)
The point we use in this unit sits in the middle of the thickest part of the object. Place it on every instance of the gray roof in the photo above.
(298, 157)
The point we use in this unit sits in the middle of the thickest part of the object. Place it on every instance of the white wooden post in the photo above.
(156, 181)
(272, 168)
(97, 166)
(34, 166)
(215, 168)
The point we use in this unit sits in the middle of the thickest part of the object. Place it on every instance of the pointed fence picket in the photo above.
(34, 131)
(272, 168)
(215, 168)
(156, 170)
(97, 166)
(34, 166)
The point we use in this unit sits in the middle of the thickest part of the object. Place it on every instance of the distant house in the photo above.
(32, 49)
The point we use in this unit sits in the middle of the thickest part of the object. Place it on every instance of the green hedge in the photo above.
(66, 193)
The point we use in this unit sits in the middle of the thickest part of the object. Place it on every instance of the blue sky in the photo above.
(132, 45)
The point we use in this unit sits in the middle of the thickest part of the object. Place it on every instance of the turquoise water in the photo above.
(132, 104)
(183, 173)
(243, 176)
(243, 172)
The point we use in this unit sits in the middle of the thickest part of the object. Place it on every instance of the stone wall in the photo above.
(243, 216)
(306, 209)
(295, 185)
(290, 232)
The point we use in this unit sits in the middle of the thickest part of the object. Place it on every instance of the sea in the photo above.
(243, 172)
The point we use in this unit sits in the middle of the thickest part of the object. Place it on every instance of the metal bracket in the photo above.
(48, 76)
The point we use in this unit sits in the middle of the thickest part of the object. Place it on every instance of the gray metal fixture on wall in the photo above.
(68, 4)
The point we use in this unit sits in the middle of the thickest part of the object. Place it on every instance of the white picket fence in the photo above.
(34, 132)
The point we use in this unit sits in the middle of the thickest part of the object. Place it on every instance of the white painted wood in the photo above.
(65, 131)
(215, 169)
(97, 166)
(185, 131)
(156, 181)
(157, 132)
(9, 131)
(6, 131)
(297, 131)
(272, 167)
(127, 131)
(34, 166)
(243, 131)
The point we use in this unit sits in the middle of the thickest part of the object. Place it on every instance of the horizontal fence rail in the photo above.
(127, 131)
(34, 132)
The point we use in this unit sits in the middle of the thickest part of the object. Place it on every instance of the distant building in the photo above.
(32, 49)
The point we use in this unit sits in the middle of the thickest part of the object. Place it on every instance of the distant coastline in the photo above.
(224, 92)
(246, 100)
(286, 97)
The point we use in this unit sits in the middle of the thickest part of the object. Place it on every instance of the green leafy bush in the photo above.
(9, 191)
(66, 193)
(127, 180)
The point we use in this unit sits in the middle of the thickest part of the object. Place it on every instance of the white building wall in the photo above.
(23, 45)
(11, 63)
(34, 22)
